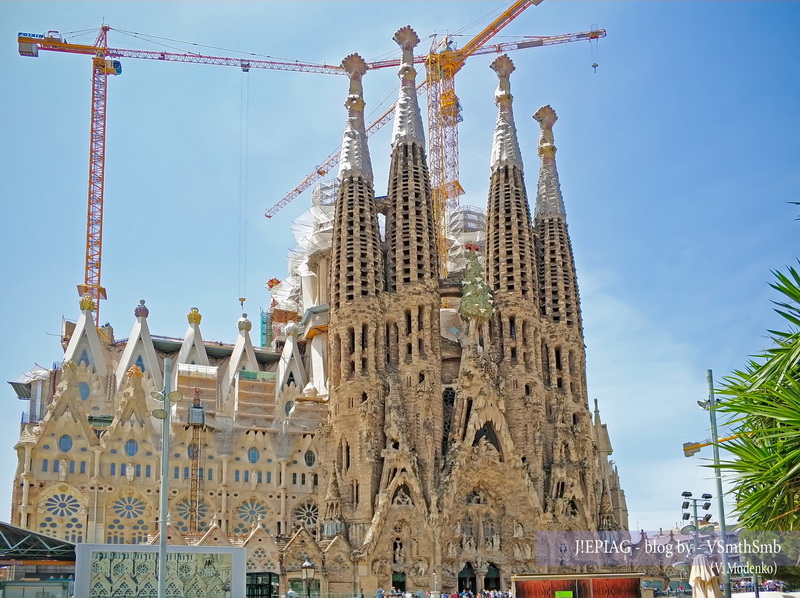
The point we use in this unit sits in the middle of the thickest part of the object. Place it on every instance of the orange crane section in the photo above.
(104, 64)
(528, 42)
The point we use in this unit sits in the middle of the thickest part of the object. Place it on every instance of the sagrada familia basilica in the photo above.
(396, 428)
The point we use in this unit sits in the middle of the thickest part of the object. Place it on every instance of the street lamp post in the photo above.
(163, 413)
(308, 574)
(723, 529)
(694, 527)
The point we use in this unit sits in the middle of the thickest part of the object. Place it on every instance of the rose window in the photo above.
(252, 511)
(129, 507)
(62, 505)
(185, 512)
(306, 514)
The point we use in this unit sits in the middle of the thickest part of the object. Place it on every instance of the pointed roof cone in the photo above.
(140, 344)
(355, 159)
(243, 356)
(85, 342)
(549, 201)
(407, 125)
(332, 494)
(505, 145)
(291, 362)
(601, 431)
(193, 346)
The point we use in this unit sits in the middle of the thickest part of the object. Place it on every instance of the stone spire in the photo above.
(548, 198)
(558, 284)
(356, 237)
(412, 300)
(355, 354)
(505, 145)
(509, 235)
(355, 160)
(407, 125)
(410, 227)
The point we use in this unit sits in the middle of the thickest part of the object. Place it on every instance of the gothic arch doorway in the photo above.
(492, 579)
(466, 579)
(399, 581)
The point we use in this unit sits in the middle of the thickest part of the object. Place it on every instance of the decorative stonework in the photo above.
(381, 436)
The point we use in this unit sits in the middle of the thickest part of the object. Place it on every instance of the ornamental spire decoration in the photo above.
(549, 201)
(407, 126)
(355, 160)
(505, 146)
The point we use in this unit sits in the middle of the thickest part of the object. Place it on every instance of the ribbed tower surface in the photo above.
(510, 257)
(558, 285)
(412, 274)
(355, 324)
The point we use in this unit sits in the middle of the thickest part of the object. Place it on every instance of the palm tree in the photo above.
(763, 401)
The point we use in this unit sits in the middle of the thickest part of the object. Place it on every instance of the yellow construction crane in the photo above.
(105, 63)
(441, 66)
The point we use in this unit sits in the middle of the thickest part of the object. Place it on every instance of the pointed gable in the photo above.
(192, 350)
(84, 347)
(133, 407)
(243, 356)
(66, 401)
(290, 367)
(174, 537)
(215, 537)
(139, 351)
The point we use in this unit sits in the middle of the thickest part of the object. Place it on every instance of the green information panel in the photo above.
(564, 594)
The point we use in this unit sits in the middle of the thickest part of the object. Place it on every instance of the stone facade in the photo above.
(401, 430)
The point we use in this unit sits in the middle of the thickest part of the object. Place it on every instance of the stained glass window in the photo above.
(62, 505)
(131, 447)
(65, 443)
(128, 507)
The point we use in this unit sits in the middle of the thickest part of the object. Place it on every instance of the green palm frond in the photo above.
(762, 401)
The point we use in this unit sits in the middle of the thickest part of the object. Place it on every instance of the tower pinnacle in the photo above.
(355, 152)
(549, 201)
(407, 125)
(505, 146)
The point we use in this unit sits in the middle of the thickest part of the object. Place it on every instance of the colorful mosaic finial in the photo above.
(194, 316)
(244, 324)
(87, 303)
(134, 372)
(141, 311)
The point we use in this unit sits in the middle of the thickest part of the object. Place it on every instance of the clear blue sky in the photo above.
(677, 159)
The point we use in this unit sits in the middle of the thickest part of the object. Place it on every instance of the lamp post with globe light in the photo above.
(163, 413)
(308, 574)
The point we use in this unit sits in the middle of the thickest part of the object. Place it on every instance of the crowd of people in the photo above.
(395, 593)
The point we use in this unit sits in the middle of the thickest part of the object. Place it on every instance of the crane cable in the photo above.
(244, 143)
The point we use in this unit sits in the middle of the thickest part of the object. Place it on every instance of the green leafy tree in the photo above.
(763, 400)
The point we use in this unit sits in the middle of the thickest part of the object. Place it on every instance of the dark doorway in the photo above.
(492, 579)
(399, 581)
(262, 585)
(466, 579)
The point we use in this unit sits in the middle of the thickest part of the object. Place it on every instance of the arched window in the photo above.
(65, 443)
(131, 447)
(252, 455)
(44, 465)
(83, 388)
(147, 471)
